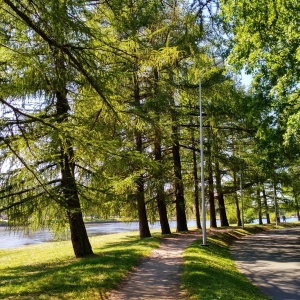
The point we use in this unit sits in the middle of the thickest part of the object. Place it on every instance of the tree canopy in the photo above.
(100, 111)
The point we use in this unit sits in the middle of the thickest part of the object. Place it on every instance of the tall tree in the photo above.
(39, 97)
(265, 40)
(160, 193)
(178, 183)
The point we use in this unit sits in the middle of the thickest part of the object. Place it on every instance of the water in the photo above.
(288, 219)
(12, 239)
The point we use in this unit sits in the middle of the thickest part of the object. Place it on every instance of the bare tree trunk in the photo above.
(196, 182)
(140, 195)
(162, 210)
(296, 203)
(178, 184)
(236, 198)
(79, 237)
(220, 197)
(297, 209)
(277, 216)
(266, 206)
(260, 221)
(142, 213)
(160, 197)
(211, 194)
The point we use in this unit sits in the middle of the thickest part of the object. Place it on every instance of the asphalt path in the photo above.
(271, 260)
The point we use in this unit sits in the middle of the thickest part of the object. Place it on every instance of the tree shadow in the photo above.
(207, 273)
(62, 279)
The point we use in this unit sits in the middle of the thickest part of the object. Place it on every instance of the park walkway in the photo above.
(158, 276)
(271, 260)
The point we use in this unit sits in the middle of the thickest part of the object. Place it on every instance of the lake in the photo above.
(12, 239)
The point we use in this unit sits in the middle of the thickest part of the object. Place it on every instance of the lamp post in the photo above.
(204, 240)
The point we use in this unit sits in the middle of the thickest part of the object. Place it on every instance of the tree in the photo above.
(99, 104)
(42, 69)
(265, 39)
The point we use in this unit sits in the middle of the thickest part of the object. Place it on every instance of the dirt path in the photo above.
(158, 276)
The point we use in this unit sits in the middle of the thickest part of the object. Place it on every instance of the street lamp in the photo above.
(204, 241)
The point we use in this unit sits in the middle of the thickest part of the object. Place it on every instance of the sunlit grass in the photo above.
(210, 273)
(50, 271)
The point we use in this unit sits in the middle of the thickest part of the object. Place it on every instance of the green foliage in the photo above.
(265, 39)
(116, 64)
(129, 71)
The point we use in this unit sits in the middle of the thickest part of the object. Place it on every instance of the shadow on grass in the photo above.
(86, 278)
(210, 273)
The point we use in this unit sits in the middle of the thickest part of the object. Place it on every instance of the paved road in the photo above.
(271, 260)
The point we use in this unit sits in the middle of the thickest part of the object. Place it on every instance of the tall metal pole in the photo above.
(204, 241)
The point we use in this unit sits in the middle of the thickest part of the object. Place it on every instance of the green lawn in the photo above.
(210, 273)
(50, 270)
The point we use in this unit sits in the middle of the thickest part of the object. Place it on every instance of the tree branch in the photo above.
(16, 110)
(52, 42)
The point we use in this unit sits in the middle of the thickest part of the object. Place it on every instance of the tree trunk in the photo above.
(220, 197)
(142, 213)
(236, 198)
(160, 191)
(160, 197)
(260, 221)
(211, 193)
(79, 237)
(277, 216)
(80, 241)
(297, 210)
(140, 195)
(162, 210)
(265, 202)
(296, 204)
(178, 184)
(196, 182)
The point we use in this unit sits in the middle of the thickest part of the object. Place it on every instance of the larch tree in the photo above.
(265, 40)
(44, 65)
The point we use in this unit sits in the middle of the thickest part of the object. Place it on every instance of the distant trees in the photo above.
(80, 82)
(264, 40)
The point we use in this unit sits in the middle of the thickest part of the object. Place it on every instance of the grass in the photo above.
(209, 273)
(50, 271)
